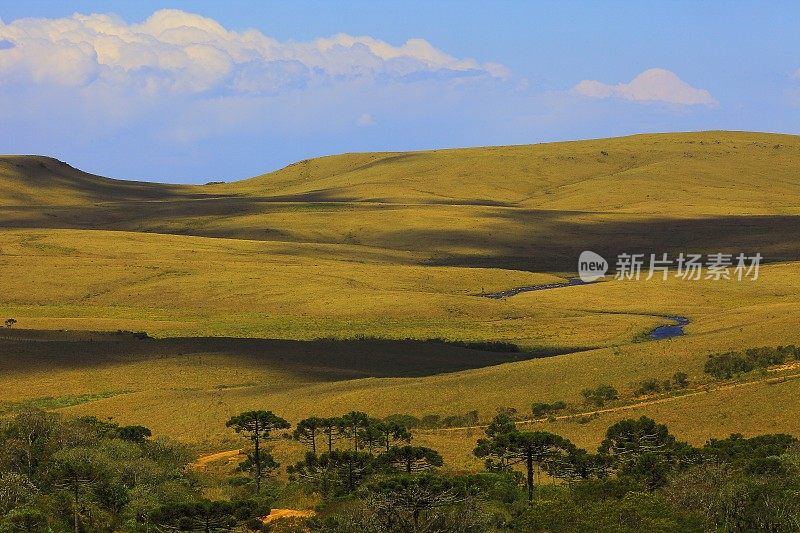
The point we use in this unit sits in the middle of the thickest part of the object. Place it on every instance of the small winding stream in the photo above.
(543, 287)
(666, 331)
(670, 330)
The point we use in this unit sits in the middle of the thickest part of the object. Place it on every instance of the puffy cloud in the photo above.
(181, 52)
(652, 85)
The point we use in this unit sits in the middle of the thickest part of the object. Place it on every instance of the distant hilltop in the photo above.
(676, 174)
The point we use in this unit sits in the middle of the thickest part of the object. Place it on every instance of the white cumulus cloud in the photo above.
(652, 85)
(179, 52)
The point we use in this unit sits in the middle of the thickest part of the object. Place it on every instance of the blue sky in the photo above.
(201, 91)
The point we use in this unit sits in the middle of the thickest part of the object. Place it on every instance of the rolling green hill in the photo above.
(709, 173)
(38, 181)
(336, 260)
(682, 174)
(529, 208)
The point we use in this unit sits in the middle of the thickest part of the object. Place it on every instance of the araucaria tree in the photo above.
(308, 430)
(332, 430)
(509, 446)
(258, 427)
(75, 469)
(372, 437)
(411, 459)
(536, 448)
(204, 515)
(420, 503)
(580, 465)
(337, 473)
(352, 425)
(495, 448)
(392, 432)
(644, 449)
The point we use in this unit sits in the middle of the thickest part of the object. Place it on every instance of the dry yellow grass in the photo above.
(399, 245)
(707, 173)
(525, 207)
(169, 285)
(730, 318)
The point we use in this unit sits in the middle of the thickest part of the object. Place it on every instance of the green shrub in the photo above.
(680, 380)
(648, 386)
(729, 364)
(541, 410)
(599, 395)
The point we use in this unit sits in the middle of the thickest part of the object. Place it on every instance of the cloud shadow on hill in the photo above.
(540, 243)
(319, 360)
(519, 239)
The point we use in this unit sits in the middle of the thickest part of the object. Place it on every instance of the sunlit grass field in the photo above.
(347, 253)
(179, 286)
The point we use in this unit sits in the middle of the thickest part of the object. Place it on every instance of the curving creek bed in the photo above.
(670, 330)
(667, 331)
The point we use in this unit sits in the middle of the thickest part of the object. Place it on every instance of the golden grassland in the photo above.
(174, 285)
(530, 208)
(709, 173)
(203, 389)
(397, 246)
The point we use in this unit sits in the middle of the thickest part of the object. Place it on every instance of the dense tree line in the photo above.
(88, 475)
(641, 478)
(83, 474)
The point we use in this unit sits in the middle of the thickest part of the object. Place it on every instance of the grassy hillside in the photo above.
(37, 181)
(528, 208)
(719, 173)
(676, 175)
(194, 286)
(167, 296)
(396, 246)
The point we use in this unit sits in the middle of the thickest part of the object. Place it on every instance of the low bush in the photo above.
(599, 395)
(541, 410)
(651, 386)
(434, 421)
(729, 364)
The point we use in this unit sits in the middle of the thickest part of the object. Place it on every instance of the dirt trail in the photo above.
(205, 460)
(644, 403)
(231, 455)
(277, 514)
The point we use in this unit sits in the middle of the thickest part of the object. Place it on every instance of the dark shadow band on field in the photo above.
(543, 243)
(532, 240)
(24, 351)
